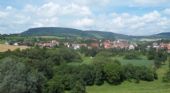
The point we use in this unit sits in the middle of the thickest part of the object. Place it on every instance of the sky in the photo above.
(131, 17)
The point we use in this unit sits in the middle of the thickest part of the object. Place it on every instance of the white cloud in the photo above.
(131, 24)
(48, 22)
(81, 14)
(85, 22)
(3, 14)
(76, 10)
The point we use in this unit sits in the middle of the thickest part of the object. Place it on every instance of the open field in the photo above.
(4, 47)
(2, 41)
(137, 62)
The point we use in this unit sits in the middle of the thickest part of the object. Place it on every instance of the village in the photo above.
(106, 44)
(99, 44)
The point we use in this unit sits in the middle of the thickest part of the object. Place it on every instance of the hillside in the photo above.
(165, 35)
(76, 33)
(69, 32)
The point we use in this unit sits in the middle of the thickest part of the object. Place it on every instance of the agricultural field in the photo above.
(4, 47)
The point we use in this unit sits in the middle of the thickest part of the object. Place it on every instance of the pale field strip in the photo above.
(4, 47)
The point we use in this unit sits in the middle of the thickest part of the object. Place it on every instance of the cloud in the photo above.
(88, 15)
(85, 22)
(125, 23)
(3, 14)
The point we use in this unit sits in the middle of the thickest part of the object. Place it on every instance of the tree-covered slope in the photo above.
(69, 32)
(76, 33)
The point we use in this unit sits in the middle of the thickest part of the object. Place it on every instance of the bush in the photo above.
(113, 72)
(131, 56)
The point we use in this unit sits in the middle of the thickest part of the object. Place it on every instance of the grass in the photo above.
(2, 41)
(4, 47)
(138, 62)
(156, 86)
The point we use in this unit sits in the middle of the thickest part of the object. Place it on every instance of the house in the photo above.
(107, 44)
(16, 44)
(131, 47)
(49, 44)
(168, 48)
(165, 46)
(94, 45)
(67, 45)
(155, 45)
(122, 44)
(76, 46)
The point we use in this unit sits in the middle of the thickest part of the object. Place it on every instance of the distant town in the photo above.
(95, 43)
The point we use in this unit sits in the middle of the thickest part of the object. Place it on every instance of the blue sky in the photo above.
(132, 17)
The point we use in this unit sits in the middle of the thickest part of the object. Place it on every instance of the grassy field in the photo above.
(128, 87)
(2, 41)
(4, 47)
(156, 86)
(137, 62)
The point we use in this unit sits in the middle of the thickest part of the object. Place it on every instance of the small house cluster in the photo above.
(107, 44)
(160, 46)
(121, 44)
(48, 44)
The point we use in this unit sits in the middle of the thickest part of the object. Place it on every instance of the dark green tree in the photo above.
(16, 77)
(79, 88)
(113, 72)
(55, 85)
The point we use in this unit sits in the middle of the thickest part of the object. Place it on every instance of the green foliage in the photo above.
(16, 77)
(55, 85)
(99, 74)
(166, 77)
(113, 72)
(104, 54)
(160, 58)
(46, 70)
(139, 73)
(131, 56)
(78, 88)
(87, 74)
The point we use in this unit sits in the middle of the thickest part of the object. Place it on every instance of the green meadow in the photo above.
(156, 86)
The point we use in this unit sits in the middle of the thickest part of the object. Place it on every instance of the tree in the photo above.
(79, 88)
(129, 71)
(160, 58)
(16, 77)
(113, 72)
(151, 54)
(166, 77)
(87, 74)
(99, 75)
(55, 85)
